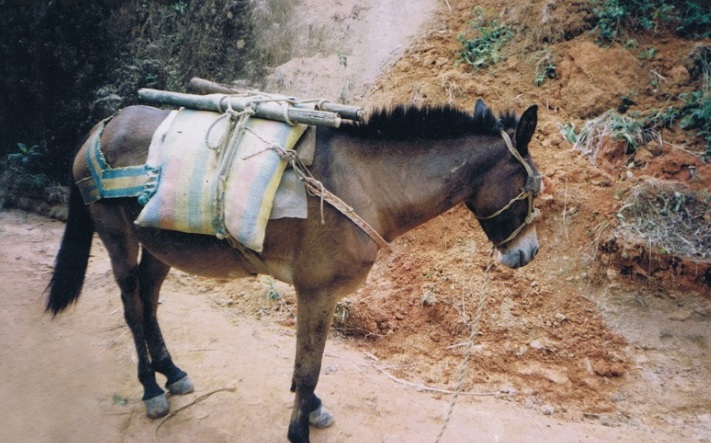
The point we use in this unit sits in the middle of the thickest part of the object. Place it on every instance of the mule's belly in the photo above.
(200, 254)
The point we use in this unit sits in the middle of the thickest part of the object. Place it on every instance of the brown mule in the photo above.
(399, 169)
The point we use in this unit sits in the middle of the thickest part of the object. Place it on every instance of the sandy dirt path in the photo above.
(73, 378)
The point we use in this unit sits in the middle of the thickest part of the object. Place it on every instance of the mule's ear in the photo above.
(483, 115)
(480, 109)
(525, 129)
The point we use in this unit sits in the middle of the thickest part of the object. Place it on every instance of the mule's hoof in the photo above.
(321, 417)
(157, 406)
(182, 386)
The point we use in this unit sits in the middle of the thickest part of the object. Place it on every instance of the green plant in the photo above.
(180, 7)
(648, 54)
(610, 15)
(484, 49)
(688, 18)
(545, 67)
(567, 130)
(610, 125)
(342, 58)
(272, 293)
(696, 20)
(26, 156)
(696, 114)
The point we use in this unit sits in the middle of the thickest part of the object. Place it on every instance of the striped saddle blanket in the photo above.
(208, 176)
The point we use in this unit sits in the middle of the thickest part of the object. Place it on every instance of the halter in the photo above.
(528, 191)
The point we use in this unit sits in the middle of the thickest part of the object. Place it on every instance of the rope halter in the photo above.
(528, 192)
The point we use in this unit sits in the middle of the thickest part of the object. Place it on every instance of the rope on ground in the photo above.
(470, 345)
(192, 403)
(420, 387)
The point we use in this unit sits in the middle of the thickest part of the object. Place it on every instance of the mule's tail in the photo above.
(73, 256)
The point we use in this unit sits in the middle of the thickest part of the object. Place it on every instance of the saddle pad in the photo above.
(185, 193)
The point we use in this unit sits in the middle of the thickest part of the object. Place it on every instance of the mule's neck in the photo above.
(402, 184)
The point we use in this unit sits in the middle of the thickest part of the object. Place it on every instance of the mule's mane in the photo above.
(435, 122)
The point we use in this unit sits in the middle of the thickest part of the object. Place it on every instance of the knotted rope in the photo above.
(315, 188)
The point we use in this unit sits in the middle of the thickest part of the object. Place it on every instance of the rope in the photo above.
(470, 345)
(316, 188)
(528, 192)
(313, 186)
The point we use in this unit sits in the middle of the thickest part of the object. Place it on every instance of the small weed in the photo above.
(545, 67)
(120, 400)
(648, 54)
(272, 293)
(567, 130)
(180, 7)
(342, 58)
(28, 166)
(484, 50)
(26, 156)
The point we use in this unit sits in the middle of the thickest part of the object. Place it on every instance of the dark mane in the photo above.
(435, 122)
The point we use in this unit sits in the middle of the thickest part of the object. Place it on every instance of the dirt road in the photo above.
(73, 378)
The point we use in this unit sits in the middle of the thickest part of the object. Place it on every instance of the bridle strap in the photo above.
(528, 192)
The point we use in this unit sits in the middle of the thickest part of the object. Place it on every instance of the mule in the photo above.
(397, 170)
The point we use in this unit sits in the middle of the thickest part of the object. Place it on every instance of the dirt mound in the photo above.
(593, 79)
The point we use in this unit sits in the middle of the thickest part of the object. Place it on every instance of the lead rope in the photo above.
(470, 345)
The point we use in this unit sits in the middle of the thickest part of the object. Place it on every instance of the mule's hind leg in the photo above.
(152, 273)
(122, 246)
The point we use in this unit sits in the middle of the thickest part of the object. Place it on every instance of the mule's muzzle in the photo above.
(521, 251)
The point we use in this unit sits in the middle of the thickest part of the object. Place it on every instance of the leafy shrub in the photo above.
(484, 49)
(687, 18)
(696, 114)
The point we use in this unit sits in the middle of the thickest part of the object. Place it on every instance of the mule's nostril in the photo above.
(534, 252)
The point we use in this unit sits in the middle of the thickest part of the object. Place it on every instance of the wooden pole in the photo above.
(268, 108)
(202, 86)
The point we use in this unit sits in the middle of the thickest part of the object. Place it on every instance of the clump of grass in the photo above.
(545, 67)
(609, 126)
(484, 49)
(669, 218)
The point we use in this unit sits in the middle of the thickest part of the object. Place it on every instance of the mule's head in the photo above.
(503, 204)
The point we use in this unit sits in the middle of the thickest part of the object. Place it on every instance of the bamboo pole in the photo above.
(268, 109)
(202, 86)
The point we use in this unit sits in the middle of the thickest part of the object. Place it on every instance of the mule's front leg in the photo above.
(315, 313)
